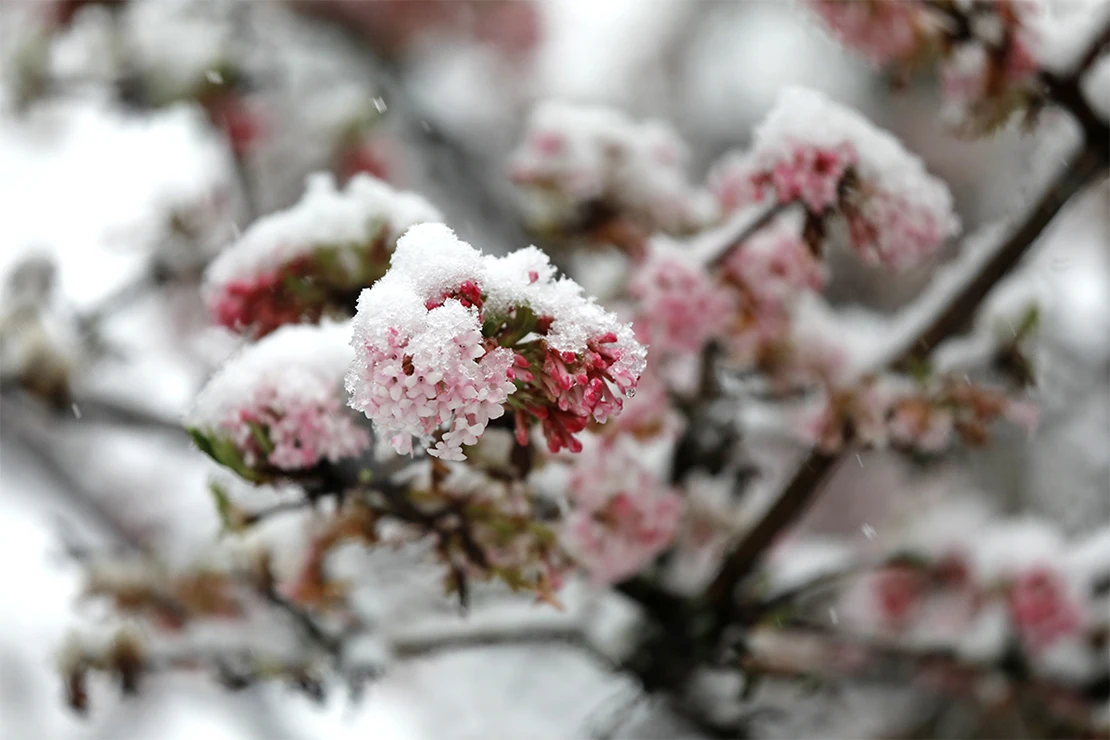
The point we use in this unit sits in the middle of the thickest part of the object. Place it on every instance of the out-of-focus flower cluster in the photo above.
(985, 587)
(925, 420)
(311, 260)
(621, 514)
(832, 161)
(276, 409)
(987, 52)
(591, 174)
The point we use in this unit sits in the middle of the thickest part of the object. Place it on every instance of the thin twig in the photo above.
(746, 230)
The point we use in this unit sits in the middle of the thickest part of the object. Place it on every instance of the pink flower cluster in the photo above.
(276, 407)
(310, 261)
(988, 51)
(883, 31)
(925, 420)
(442, 380)
(962, 579)
(584, 167)
(448, 338)
(296, 433)
(577, 388)
(812, 151)
(680, 307)
(621, 514)
(775, 264)
(1041, 608)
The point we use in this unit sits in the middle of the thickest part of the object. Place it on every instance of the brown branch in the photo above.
(1095, 48)
(790, 505)
(747, 229)
(1088, 166)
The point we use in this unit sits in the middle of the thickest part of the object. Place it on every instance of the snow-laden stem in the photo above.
(746, 229)
(951, 316)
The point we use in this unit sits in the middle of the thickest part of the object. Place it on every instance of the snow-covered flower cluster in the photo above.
(988, 51)
(979, 585)
(680, 306)
(622, 515)
(768, 272)
(812, 151)
(591, 172)
(312, 259)
(276, 408)
(883, 31)
(449, 337)
(996, 71)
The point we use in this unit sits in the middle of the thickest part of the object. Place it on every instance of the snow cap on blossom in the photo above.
(276, 407)
(447, 336)
(574, 156)
(1027, 557)
(622, 513)
(299, 264)
(832, 160)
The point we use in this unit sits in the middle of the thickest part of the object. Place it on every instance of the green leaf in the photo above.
(224, 452)
(919, 369)
(522, 323)
(261, 437)
(1030, 322)
(223, 505)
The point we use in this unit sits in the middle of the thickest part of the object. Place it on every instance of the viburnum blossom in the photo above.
(883, 31)
(930, 419)
(1041, 607)
(899, 591)
(621, 514)
(276, 408)
(812, 151)
(448, 337)
(776, 264)
(983, 84)
(680, 307)
(988, 51)
(587, 170)
(310, 260)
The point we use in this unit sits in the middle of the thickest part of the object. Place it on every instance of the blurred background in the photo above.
(137, 139)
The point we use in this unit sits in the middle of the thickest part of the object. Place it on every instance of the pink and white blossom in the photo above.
(308, 261)
(680, 307)
(1041, 607)
(621, 514)
(883, 31)
(278, 403)
(448, 336)
(813, 151)
(578, 157)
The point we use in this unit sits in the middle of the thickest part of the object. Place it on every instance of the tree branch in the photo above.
(745, 231)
